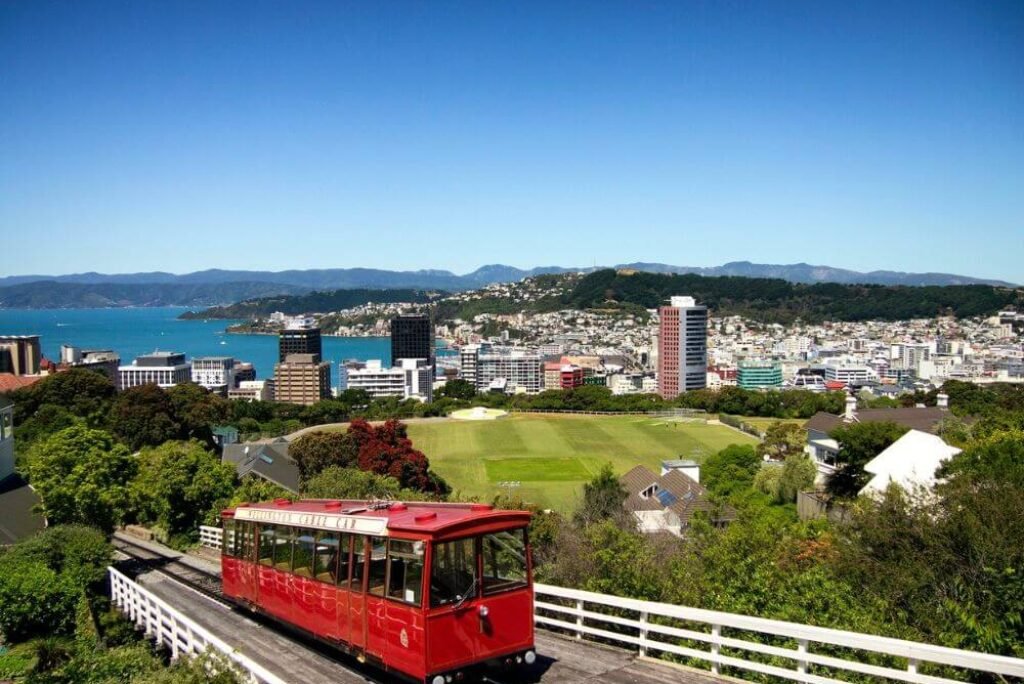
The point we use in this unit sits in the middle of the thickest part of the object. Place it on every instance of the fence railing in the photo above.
(175, 630)
(787, 650)
(210, 537)
(715, 638)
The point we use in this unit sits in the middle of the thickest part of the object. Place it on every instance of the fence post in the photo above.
(716, 632)
(579, 619)
(912, 665)
(801, 648)
(643, 633)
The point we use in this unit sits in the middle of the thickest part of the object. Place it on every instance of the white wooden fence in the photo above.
(175, 630)
(718, 638)
(210, 537)
(715, 638)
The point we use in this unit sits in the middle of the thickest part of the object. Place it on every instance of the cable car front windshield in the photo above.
(453, 574)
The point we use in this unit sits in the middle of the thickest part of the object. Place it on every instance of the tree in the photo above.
(197, 410)
(85, 393)
(731, 470)
(858, 444)
(458, 389)
(335, 482)
(315, 451)
(784, 481)
(253, 488)
(43, 578)
(48, 419)
(387, 450)
(603, 497)
(144, 416)
(780, 440)
(82, 476)
(181, 485)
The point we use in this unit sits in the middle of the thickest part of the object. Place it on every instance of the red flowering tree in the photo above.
(387, 450)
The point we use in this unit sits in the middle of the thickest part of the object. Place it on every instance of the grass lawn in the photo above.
(552, 456)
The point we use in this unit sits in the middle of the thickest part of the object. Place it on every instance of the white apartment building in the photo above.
(216, 373)
(413, 379)
(165, 369)
(849, 373)
(522, 369)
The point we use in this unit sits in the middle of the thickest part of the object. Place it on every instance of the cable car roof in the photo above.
(375, 517)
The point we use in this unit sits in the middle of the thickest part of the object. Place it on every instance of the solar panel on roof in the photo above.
(265, 458)
(666, 498)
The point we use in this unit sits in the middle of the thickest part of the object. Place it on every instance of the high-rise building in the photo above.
(682, 347)
(165, 369)
(20, 354)
(299, 341)
(522, 370)
(302, 379)
(412, 337)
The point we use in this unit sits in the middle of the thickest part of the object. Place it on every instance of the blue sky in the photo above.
(186, 135)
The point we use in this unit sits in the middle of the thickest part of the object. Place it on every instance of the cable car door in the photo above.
(357, 620)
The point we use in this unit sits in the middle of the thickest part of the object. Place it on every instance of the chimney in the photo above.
(850, 414)
(942, 400)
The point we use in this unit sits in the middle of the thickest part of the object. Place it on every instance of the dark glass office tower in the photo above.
(412, 337)
(299, 341)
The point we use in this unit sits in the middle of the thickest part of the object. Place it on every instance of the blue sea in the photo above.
(135, 331)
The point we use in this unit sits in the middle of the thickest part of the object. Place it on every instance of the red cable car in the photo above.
(429, 590)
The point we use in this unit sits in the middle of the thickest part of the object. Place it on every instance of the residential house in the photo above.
(668, 502)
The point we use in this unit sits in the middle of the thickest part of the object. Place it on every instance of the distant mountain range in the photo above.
(338, 278)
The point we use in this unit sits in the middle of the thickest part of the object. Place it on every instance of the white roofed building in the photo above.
(910, 462)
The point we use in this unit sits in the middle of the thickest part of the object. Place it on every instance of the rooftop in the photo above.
(378, 517)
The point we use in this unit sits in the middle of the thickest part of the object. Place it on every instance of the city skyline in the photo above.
(405, 136)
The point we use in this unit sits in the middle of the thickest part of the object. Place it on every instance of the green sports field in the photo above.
(552, 456)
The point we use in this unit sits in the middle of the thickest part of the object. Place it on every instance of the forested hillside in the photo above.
(773, 300)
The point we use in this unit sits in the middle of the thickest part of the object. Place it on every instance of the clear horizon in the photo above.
(401, 136)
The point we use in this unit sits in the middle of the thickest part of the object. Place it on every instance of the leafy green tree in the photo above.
(782, 482)
(315, 451)
(43, 578)
(84, 393)
(82, 476)
(144, 416)
(197, 410)
(858, 444)
(181, 485)
(731, 470)
(48, 419)
(335, 482)
(782, 439)
(603, 497)
(253, 488)
(457, 389)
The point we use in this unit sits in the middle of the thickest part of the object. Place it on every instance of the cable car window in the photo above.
(358, 562)
(267, 545)
(227, 540)
(302, 554)
(283, 548)
(405, 571)
(504, 560)
(453, 572)
(344, 558)
(246, 532)
(378, 564)
(325, 560)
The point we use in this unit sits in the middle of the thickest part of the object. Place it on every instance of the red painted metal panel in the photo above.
(452, 637)
(405, 638)
(508, 625)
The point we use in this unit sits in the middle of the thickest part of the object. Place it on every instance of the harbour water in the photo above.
(135, 331)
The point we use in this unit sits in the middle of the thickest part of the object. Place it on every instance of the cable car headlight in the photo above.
(530, 657)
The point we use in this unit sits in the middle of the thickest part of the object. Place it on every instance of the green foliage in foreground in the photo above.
(43, 578)
(82, 476)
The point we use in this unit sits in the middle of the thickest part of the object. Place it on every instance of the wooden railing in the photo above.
(787, 650)
(210, 537)
(175, 630)
(724, 640)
